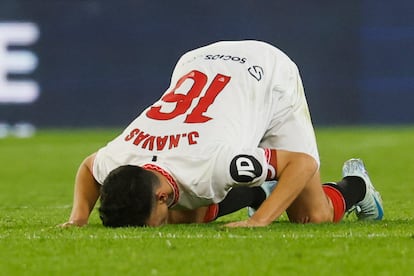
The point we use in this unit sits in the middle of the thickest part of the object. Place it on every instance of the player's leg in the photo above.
(357, 191)
(354, 191)
(366, 199)
(312, 205)
(240, 197)
(237, 198)
(268, 188)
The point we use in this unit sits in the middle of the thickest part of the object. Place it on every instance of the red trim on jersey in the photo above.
(338, 201)
(170, 179)
(211, 213)
(271, 159)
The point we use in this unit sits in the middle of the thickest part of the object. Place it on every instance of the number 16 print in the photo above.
(183, 101)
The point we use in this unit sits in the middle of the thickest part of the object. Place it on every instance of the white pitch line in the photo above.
(174, 236)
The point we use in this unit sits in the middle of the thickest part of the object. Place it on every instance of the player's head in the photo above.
(128, 197)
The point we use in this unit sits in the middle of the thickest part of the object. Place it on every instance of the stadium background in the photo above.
(99, 63)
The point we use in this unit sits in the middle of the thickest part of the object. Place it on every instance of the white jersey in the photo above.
(227, 102)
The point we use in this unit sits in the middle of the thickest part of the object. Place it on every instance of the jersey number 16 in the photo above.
(183, 102)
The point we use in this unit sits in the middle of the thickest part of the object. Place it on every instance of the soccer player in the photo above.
(235, 115)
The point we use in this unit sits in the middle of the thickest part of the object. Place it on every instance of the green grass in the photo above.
(36, 186)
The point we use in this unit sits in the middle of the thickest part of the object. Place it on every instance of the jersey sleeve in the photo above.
(99, 170)
(104, 163)
(247, 167)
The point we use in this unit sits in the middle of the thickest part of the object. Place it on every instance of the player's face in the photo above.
(159, 215)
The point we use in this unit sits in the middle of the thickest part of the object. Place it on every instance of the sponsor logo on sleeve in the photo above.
(245, 168)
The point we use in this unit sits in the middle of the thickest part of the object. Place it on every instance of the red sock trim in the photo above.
(211, 213)
(338, 201)
(271, 158)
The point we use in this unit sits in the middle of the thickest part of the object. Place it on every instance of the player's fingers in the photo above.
(67, 224)
(245, 223)
(235, 224)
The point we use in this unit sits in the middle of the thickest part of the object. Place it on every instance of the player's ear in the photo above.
(161, 197)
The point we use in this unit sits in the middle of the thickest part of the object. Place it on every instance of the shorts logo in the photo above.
(245, 168)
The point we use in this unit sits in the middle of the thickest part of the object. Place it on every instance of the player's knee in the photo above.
(321, 217)
(314, 217)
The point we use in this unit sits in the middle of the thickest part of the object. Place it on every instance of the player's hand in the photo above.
(245, 223)
(71, 224)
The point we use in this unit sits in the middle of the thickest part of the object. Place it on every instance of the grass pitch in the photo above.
(36, 187)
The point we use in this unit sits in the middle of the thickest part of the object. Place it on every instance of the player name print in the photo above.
(166, 142)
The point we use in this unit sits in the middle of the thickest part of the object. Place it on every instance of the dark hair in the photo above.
(127, 196)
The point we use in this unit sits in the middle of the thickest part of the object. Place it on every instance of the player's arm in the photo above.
(294, 170)
(85, 195)
(199, 215)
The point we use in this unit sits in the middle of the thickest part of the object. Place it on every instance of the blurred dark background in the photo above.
(100, 63)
